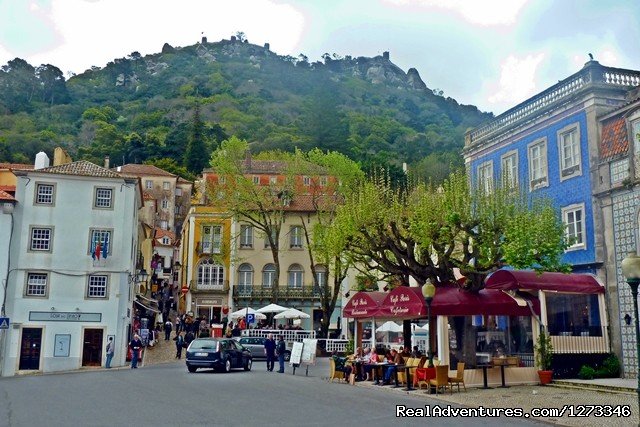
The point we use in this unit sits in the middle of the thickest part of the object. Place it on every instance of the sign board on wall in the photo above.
(61, 316)
(62, 345)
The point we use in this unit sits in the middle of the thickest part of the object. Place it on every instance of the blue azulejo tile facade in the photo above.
(570, 194)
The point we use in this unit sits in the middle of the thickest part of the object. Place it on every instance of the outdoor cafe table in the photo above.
(484, 367)
(375, 367)
(502, 362)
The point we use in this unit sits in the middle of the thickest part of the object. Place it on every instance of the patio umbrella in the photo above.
(244, 311)
(291, 313)
(272, 308)
(389, 327)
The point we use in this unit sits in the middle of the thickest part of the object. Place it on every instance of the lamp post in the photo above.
(631, 271)
(428, 292)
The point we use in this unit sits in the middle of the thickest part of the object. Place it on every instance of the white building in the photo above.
(73, 254)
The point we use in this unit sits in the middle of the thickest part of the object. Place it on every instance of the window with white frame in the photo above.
(295, 237)
(166, 185)
(485, 177)
(36, 285)
(295, 276)
(222, 179)
(323, 181)
(166, 240)
(210, 273)
(45, 194)
(178, 192)
(321, 275)
(102, 238)
(211, 239)
(164, 204)
(635, 136)
(176, 210)
(245, 275)
(569, 150)
(273, 180)
(97, 286)
(246, 236)
(267, 245)
(306, 180)
(256, 179)
(538, 165)
(148, 184)
(41, 239)
(268, 275)
(510, 169)
(103, 198)
(619, 170)
(164, 224)
(573, 219)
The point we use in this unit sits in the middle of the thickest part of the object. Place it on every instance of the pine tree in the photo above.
(196, 157)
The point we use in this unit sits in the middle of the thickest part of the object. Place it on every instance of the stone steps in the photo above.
(592, 386)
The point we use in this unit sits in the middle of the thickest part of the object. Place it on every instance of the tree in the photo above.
(195, 156)
(19, 84)
(54, 89)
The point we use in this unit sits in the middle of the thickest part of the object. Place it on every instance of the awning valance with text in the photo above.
(531, 280)
(363, 305)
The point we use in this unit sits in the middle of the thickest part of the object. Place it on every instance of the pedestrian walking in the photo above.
(109, 352)
(167, 329)
(280, 349)
(179, 345)
(270, 351)
(136, 346)
(178, 324)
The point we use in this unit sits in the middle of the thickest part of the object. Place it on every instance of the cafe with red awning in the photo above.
(363, 305)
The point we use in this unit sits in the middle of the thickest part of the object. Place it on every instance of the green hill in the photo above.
(142, 108)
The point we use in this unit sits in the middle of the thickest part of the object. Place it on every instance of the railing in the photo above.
(593, 73)
(214, 286)
(591, 340)
(289, 335)
(259, 292)
(331, 345)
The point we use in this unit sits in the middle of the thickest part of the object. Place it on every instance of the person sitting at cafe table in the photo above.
(356, 360)
(341, 365)
(370, 356)
(394, 360)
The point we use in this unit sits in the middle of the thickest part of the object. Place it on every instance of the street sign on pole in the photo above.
(251, 318)
(184, 290)
(4, 323)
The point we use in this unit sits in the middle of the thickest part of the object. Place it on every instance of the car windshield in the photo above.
(204, 345)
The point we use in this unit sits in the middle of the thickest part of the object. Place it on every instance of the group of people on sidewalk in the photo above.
(273, 349)
(360, 363)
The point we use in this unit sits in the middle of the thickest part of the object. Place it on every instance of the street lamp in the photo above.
(631, 272)
(428, 292)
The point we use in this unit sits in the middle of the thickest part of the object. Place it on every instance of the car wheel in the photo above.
(287, 356)
(191, 369)
(247, 366)
(227, 365)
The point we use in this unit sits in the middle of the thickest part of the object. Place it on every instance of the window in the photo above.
(148, 184)
(166, 240)
(619, 170)
(211, 239)
(41, 239)
(44, 194)
(178, 192)
(296, 275)
(510, 169)
(166, 185)
(164, 224)
(268, 275)
(97, 287)
(306, 181)
(573, 218)
(246, 236)
(176, 210)
(222, 180)
(635, 136)
(274, 233)
(102, 237)
(538, 165)
(273, 180)
(321, 275)
(164, 204)
(103, 198)
(573, 315)
(323, 181)
(210, 275)
(245, 275)
(295, 237)
(256, 180)
(569, 150)
(36, 285)
(485, 177)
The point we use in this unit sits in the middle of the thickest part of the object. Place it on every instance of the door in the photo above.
(92, 347)
(30, 348)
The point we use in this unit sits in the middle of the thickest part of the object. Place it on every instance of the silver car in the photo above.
(256, 346)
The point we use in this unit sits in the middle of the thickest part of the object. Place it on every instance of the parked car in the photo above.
(256, 345)
(221, 354)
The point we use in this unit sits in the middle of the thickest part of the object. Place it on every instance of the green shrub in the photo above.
(610, 368)
(349, 349)
(586, 372)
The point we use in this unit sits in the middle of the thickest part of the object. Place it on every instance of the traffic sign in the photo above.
(4, 323)
(251, 318)
(184, 290)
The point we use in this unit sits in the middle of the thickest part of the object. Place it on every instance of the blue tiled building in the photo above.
(549, 146)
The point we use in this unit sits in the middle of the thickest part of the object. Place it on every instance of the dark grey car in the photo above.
(256, 346)
(221, 354)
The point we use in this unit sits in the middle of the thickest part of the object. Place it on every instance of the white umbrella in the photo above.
(244, 311)
(272, 308)
(291, 313)
(389, 327)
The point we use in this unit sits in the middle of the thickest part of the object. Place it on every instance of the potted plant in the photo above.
(544, 357)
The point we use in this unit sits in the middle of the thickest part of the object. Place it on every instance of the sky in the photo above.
(489, 53)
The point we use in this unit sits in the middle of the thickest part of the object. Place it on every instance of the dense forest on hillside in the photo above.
(174, 107)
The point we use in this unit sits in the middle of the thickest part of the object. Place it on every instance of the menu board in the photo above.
(296, 353)
(309, 351)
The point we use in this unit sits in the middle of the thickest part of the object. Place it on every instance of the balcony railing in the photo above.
(212, 287)
(284, 292)
(592, 74)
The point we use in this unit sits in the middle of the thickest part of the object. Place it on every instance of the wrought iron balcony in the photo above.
(284, 292)
(211, 287)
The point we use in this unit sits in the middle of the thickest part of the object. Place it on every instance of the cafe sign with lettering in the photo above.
(363, 305)
(403, 302)
(64, 316)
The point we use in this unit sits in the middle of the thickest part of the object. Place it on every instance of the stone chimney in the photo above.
(42, 160)
(106, 162)
(233, 38)
(204, 39)
(247, 160)
(267, 46)
(385, 55)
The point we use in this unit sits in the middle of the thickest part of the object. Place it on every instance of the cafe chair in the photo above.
(333, 373)
(401, 373)
(442, 378)
(459, 378)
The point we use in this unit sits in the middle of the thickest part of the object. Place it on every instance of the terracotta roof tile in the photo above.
(16, 166)
(133, 169)
(6, 196)
(614, 139)
(160, 233)
(81, 168)
(8, 188)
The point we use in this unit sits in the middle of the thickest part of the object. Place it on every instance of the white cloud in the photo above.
(517, 80)
(485, 12)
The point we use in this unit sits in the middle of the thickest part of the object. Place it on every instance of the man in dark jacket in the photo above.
(179, 344)
(280, 349)
(270, 351)
(136, 347)
(168, 326)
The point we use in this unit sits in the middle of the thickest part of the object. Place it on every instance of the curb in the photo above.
(593, 387)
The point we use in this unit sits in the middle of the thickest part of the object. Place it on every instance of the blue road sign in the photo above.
(251, 318)
(4, 323)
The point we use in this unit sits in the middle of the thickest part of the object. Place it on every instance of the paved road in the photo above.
(167, 395)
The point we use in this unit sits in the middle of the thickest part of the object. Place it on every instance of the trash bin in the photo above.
(216, 331)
